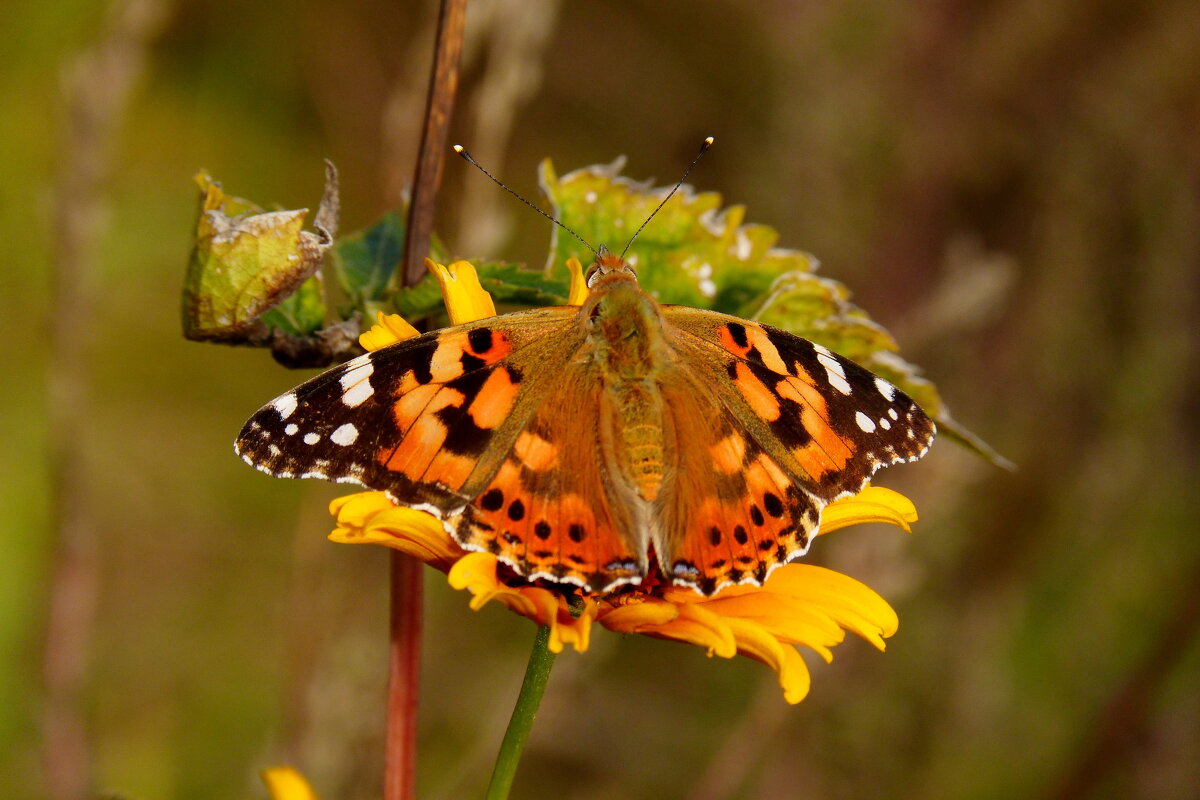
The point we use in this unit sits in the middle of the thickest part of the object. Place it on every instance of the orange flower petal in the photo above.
(851, 604)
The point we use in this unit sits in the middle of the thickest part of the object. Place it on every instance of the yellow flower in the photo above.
(285, 783)
(799, 604)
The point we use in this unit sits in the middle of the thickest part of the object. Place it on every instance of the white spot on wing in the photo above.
(291, 429)
(892, 413)
(885, 423)
(885, 389)
(344, 435)
(355, 384)
(285, 405)
(864, 422)
(833, 369)
(311, 438)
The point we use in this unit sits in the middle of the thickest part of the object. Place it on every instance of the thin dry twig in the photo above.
(406, 572)
(427, 178)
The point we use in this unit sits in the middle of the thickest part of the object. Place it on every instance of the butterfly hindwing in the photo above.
(552, 511)
(728, 513)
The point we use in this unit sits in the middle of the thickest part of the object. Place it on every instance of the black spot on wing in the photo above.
(737, 332)
(463, 436)
(471, 363)
(480, 340)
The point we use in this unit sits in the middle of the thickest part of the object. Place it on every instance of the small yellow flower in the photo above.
(285, 783)
(799, 604)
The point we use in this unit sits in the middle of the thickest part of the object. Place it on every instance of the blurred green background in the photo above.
(1012, 187)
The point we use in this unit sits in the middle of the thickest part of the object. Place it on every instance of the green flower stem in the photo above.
(537, 674)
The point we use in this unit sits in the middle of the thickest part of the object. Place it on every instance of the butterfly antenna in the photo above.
(707, 143)
(462, 151)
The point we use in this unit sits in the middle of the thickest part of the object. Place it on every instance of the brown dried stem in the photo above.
(405, 650)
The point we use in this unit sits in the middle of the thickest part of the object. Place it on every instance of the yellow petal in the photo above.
(850, 603)
(465, 298)
(285, 783)
(371, 518)
(476, 572)
(872, 504)
(576, 632)
(786, 618)
(388, 329)
(685, 623)
(632, 618)
(757, 642)
(579, 289)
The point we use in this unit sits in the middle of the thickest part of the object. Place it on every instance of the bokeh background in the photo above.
(1011, 186)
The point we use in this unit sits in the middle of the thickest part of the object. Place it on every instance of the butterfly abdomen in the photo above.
(636, 429)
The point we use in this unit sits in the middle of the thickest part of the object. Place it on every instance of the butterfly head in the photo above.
(608, 267)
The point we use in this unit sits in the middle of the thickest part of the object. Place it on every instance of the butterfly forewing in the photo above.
(829, 423)
(426, 420)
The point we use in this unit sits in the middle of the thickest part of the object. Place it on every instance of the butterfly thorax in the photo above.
(629, 350)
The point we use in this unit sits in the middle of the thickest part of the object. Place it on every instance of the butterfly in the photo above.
(587, 445)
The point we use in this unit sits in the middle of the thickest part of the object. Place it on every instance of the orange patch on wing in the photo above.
(761, 399)
(827, 452)
(495, 399)
(449, 469)
(412, 405)
(424, 433)
(721, 541)
(446, 363)
(535, 452)
(756, 339)
(727, 454)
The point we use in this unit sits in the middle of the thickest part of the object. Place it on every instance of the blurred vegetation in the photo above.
(1012, 188)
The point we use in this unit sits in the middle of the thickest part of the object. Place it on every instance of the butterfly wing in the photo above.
(772, 427)
(490, 425)
(427, 420)
(553, 510)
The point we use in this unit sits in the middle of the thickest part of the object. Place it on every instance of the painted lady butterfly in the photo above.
(578, 443)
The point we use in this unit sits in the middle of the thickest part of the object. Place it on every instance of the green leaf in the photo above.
(243, 263)
(692, 253)
(302, 313)
(513, 284)
(364, 261)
